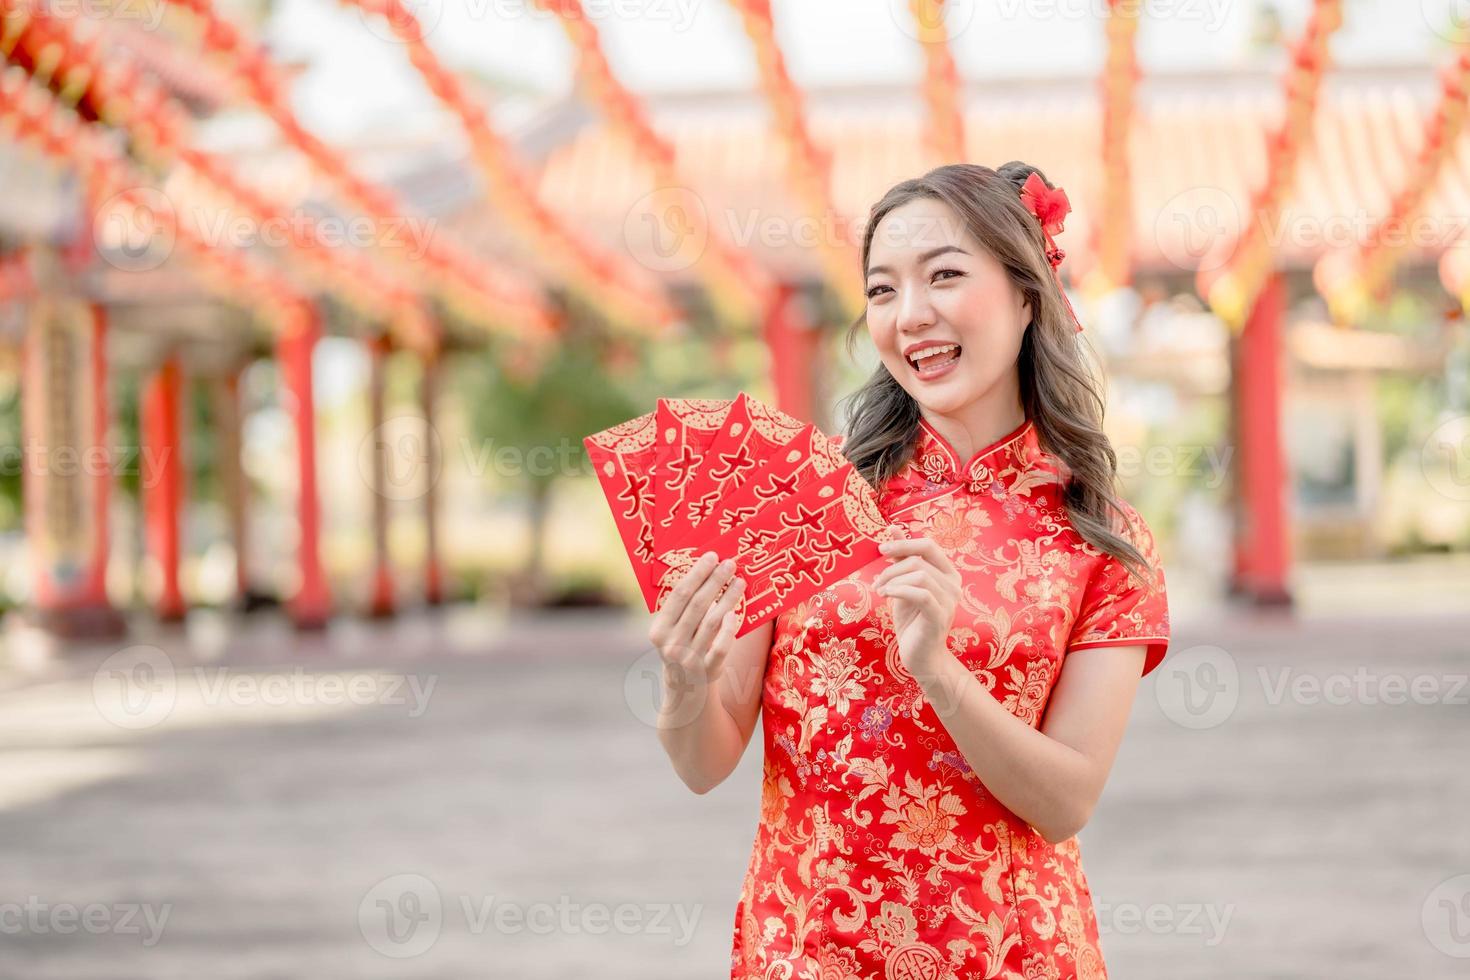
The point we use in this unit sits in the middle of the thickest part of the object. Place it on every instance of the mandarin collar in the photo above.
(934, 468)
(938, 462)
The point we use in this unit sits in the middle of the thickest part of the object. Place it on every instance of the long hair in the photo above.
(1059, 393)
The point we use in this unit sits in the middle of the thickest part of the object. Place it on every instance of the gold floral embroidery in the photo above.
(881, 855)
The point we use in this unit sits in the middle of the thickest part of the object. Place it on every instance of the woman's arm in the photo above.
(705, 731)
(1051, 776)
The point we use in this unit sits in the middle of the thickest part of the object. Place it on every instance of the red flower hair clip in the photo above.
(1050, 207)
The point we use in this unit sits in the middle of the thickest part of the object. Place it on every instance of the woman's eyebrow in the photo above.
(942, 249)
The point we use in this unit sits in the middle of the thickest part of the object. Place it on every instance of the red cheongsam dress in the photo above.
(879, 853)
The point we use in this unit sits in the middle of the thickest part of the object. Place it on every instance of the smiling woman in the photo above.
(939, 725)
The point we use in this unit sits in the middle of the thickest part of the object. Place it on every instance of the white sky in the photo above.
(361, 79)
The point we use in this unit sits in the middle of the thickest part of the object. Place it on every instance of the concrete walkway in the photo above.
(463, 797)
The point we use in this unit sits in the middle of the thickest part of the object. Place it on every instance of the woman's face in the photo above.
(930, 284)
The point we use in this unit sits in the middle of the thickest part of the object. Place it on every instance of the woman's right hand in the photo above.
(695, 625)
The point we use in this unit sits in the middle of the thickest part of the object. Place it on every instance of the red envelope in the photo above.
(795, 547)
(686, 427)
(623, 458)
(754, 435)
(806, 459)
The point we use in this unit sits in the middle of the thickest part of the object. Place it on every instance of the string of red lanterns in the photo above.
(739, 288)
(808, 168)
(492, 296)
(123, 97)
(628, 293)
(1354, 279)
(944, 130)
(1111, 241)
(17, 278)
(34, 116)
(1231, 290)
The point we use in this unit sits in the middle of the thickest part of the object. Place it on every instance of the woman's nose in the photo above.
(915, 312)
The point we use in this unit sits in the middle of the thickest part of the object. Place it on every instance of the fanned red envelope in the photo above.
(623, 458)
(754, 434)
(796, 546)
(686, 427)
(741, 479)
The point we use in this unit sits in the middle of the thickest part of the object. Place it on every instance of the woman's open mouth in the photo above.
(935, 362)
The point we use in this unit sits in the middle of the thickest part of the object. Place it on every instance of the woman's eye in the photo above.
(940, 272)
(874, 291)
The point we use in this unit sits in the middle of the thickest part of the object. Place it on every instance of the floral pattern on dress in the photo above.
(879, 854)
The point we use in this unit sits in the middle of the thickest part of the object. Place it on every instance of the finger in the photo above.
(918, 579)
(920, 597)
(704, 597)
(677, 601)
(927, 547)
(714, 619)
(729, 626)
(898, 568)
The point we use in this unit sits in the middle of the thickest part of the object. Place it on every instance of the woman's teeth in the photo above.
(934, 356)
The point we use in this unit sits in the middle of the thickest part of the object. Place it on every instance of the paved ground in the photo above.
(462, 797)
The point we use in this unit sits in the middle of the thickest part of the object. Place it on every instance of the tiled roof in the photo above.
(1198, 142)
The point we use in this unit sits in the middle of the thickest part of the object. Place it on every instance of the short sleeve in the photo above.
(1118, 609)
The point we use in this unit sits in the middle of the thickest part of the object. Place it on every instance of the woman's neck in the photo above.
(978, 425)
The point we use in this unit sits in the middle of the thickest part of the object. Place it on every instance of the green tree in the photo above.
(572, 394)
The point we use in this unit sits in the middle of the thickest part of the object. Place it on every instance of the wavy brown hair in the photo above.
(1059, 392)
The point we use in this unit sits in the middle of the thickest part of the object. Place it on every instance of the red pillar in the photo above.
(794, 346)
(428, 394)
(381, 603)
(311, 606)
(102, 473)
(234, 486)
(163, 497)
(1262, 545)
(67, 467)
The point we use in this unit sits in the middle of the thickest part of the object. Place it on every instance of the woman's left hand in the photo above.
(923, 588)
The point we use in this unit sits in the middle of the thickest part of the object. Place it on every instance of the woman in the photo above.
(928, 761)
